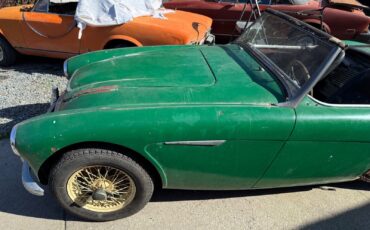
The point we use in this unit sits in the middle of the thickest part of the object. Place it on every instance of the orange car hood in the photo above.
(188, 27)
(11, 12)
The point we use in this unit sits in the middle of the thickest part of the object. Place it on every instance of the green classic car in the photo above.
(283, 105)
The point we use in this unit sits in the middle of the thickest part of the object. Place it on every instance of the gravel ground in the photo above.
(25, 89)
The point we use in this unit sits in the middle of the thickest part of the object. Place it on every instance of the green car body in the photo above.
(201, 117)
(210, 97)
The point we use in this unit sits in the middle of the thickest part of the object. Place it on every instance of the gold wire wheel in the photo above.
(101, 188)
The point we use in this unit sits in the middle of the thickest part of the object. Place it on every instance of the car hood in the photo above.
(184, 27)
(12, 12)
(170, 75)
(146, 69)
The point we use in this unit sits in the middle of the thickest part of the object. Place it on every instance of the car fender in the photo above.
(317, 22)
(121, 37)
(2, 34)
(55, 139)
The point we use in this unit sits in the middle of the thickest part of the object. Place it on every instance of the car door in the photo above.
(50, 29)
(226, 147)
(329, 143)
(224, 14)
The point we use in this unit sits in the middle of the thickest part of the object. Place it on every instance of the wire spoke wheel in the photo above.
(99, 184)
(101, 188)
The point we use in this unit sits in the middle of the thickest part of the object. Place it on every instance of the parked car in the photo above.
(284, 105)
(366, 3)
(348, 22)
(48, 29)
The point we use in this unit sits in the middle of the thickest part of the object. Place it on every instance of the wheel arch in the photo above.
(121, 39)
(2, 35)
(158, 176)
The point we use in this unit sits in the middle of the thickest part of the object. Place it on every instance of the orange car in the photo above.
(48, 29)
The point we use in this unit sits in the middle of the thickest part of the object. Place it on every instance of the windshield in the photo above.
(295, 53)
(41, 6)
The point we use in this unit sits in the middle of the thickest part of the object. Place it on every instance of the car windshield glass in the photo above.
(56, 6)
(294, 52)
(41, 6)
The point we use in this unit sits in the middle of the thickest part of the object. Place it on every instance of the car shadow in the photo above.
(356, 218)
(168, 195)
(36, 65)
(16, 114)
(18, 201)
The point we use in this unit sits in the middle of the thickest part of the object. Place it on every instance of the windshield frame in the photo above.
(293, 99)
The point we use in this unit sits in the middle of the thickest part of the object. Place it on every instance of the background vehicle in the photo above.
(284, 105)
(365, 3)
(48, 29)
(344, 23)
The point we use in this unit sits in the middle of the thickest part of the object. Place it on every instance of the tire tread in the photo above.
(94, 152)
(10, 55)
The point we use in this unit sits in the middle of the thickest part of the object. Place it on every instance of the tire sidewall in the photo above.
(8, 52)
(144, 186)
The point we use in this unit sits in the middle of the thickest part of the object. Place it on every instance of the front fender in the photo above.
(56, 131)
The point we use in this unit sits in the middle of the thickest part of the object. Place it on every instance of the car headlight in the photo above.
(65, 68)
(12, 140)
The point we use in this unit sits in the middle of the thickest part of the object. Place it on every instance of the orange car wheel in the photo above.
(7, 53)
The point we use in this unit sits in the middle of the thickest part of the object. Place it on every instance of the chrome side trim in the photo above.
(197, 143)
(71, 27)
(338, 105)
(45, 51)
(28, 183)
(13, 134)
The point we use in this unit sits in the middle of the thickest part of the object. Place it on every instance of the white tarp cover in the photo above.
(115, 12)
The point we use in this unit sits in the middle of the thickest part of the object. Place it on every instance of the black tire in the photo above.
(75, 160)
(120, 45)
(8, 55)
